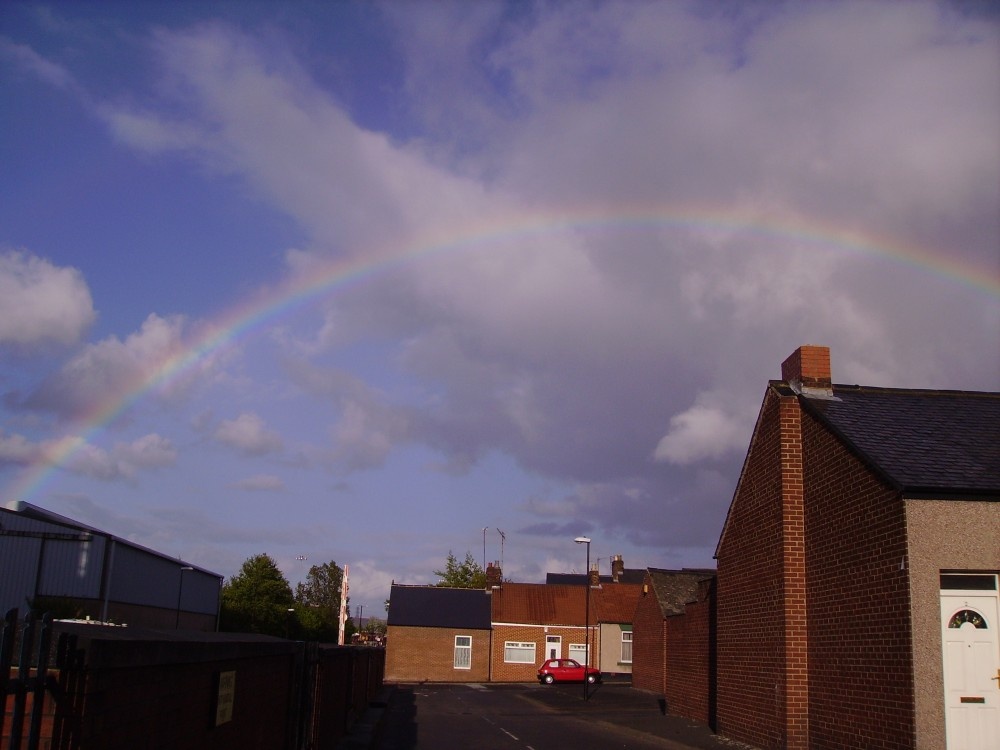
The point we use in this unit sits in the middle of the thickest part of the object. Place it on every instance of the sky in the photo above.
(359, 281)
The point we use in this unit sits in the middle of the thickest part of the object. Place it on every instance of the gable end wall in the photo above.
(750, 602)
(859, 632)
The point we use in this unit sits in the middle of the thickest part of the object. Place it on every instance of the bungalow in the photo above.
(857, 568)
(437, 634)
(533, 622)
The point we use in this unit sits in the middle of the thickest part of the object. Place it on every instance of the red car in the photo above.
(567, 670)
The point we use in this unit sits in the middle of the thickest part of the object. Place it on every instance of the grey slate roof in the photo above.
(923, 442)
(439, 607)
(629, 575)
(675, 588)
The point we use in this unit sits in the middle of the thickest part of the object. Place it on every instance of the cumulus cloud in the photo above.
(599, 232)
(701, 432)
(40, 302)
(248, 434)
(123, 461)
(102, 372)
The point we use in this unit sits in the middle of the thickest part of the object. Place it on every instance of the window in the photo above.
(968, 616)
(626, 647)
(515, 652)
(578, 651)
(463, 652)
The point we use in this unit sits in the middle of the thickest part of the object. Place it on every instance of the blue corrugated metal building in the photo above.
(83, 572)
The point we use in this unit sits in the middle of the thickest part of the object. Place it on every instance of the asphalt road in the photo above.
(534, 717)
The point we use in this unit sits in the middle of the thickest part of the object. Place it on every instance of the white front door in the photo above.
(969, 630)
(553, 647)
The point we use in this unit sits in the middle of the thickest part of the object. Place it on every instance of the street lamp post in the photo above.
(586, 676)
(180, 588)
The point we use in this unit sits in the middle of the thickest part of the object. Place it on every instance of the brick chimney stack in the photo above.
(594, 577)
(617, 568)
(493, 576)
(807, 371)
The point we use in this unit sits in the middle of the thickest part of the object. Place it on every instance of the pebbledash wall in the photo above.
(942, 535)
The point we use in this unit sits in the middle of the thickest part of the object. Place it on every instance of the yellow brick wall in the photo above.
(428, 654)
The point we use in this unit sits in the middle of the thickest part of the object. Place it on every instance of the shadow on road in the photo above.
(399, 728)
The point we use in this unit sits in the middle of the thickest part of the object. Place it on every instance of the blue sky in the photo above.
(583, 237)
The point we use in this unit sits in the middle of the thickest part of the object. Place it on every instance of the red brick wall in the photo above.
(751, 611)
(690, 660)
(861, 684)
(503, 672)
(417, 654)
(649, 644)
(795, 643)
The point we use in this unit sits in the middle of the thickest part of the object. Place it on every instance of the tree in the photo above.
(375, 626)
(317, 602)
(258, 599)
(462, 575)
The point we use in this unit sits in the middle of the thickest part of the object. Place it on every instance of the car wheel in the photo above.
(591, 678)
(549, 679)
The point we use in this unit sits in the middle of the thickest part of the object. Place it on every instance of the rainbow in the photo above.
(252, 313)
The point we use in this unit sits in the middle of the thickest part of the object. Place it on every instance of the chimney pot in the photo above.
(594, 577)
(617, 568)
(493, 575)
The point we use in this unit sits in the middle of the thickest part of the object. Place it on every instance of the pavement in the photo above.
(612, 702)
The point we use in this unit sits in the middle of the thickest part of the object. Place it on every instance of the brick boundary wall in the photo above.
(690, 669)
(649, 644)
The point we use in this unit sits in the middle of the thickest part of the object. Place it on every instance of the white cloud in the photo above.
(248, 434)
(104, 372)
(16, 449)
(147, 452)
(122, 461)
(46, 70)
(40, 302)
(704, 431)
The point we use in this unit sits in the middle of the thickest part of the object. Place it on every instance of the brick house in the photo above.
(857, 568)
(615, 604)
(614, 597)
(673, 643)
(533, 622)
(437, 634)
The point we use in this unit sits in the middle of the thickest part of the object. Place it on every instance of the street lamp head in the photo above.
(582, 540)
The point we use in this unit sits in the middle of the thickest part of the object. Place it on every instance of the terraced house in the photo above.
(857, 568)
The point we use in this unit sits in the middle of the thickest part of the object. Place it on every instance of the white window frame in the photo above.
(463, 652)
(578, 652)
(518, 649)
(626, 646)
